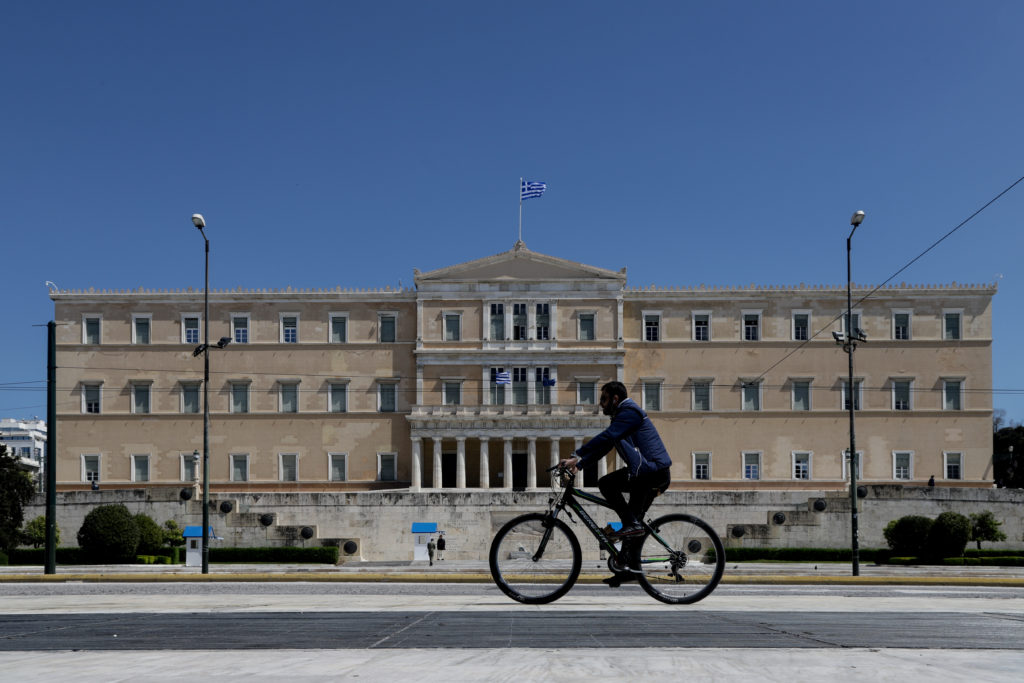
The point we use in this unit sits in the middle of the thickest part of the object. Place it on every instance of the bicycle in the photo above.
(536, 558)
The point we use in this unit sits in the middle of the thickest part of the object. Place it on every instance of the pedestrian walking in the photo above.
(431, 547)
(440, 547)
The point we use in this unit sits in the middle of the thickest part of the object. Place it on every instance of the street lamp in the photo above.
(197, 220)
(849, 343)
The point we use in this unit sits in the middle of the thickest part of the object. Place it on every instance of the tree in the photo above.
(16, 490)
(1008, 457)
(34, 533)
(173, 534)
(109, 534)
(948, 536)
(985, 527)
(151, 536)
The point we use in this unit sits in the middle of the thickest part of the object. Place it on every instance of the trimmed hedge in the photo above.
(987, 552)
(804, 554)
(319, 555)
(20, 556)
(992, 561)
(3, 558)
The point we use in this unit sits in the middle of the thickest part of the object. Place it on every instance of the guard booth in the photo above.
(422, 533)
(193, 536)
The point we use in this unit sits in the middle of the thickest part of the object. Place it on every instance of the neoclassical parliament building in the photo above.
(485, 373)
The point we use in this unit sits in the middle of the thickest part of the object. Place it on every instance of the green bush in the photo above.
(948, 536)
(907, 535)
(37, 556)
(34, 533)
(3, 559)
(971, 552)
(319, 555)
(109, 534)
(151, 535)
(803, 554)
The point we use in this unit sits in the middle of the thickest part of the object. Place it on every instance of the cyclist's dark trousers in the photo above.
(642, 490)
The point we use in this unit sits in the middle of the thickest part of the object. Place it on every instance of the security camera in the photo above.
(224, 341)
(197, 220)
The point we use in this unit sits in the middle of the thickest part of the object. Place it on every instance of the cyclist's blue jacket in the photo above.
(633, 435)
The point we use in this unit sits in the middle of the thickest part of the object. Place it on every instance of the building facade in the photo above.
(26, 440)
(487, 372)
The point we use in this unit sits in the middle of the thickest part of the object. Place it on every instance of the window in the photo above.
(387, 469)
(801, 394)
(587, 393)
(543, 384)
(90, 468)
(951, 394)
(519, 325)
(289, 393)
(901, 465)
(91, 394)
(338, 397)
(801, 325)
(587, 328)
(701, 326)
(240, 328)
(189, 467)
(751, 396)
(387, 397)
(857, 383)
(387, 323)
(452, 326)
(190, 397)
(954, 465)
(951, 324)
(543, 323)
(91, 329)
(499, 379)
(652, 395)
(901, 394)
(141, 326)
(289, 328)
(702, 395)
(901, 325)
(239, 397)
(751, 325)
(140, 468)
(338, 323)
(190, 328)
(702, 466)
(801, 465)
(846, 464)
(338, 469)
(239, 467)
(519, 386)
(288, 466)
(856, 321)
(752, 465)
(652, 327)
(453, 392)
(497, 322)
(140, 398)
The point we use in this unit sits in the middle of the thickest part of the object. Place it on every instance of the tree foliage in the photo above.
(985, 527)
(16, 490)
(109, 533)
(1007, 465)
(173, 534)
(34, 533)
(907, 535)
(151, 536)
(948, 536)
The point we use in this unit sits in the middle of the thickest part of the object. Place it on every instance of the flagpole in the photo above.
(520, 209)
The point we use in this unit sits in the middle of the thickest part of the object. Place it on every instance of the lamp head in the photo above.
(224, 341)
(855, 221)
(197, 220)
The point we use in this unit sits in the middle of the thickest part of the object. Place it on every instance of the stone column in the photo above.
(531, 463)
(554, 451)
(579, 475)
(417, 464)
(437, 462)
(485, 465)
(602, 466)
(507, 483)
(460, 467)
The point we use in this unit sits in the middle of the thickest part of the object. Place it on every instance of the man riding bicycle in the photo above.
(647, 470)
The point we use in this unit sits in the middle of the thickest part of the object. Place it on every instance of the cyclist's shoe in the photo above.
(608, 530)
(620, 578)
(629, 531)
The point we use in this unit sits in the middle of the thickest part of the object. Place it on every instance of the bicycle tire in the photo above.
(535, 581)
(692, 570)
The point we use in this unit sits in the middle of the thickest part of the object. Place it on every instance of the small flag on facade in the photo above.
(549, 382)
(529, 190)
(502, 378)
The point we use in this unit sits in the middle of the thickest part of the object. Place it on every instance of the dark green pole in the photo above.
(51, 448)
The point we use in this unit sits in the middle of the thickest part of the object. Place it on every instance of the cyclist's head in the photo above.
(612, 394)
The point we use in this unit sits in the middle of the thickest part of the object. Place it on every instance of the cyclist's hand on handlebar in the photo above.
(569, 464)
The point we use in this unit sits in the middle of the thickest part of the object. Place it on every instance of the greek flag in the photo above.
(529, 190)
(502, 378)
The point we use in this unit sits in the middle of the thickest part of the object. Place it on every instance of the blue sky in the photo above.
(344, 143)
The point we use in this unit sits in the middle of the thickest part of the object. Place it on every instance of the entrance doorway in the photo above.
(519, 461)
(449, 463)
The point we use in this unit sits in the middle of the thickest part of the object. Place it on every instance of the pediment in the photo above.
(519, 263)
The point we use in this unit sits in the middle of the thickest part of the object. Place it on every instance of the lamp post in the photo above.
(849, 343)
(197, 220)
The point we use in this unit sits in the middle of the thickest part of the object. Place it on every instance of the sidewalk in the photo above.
(476, 571)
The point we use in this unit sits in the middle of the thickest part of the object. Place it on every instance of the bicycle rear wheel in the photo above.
(682, 559)
(535, 559)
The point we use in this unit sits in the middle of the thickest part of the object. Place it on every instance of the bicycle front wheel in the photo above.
(682, 559)
(535, 559)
